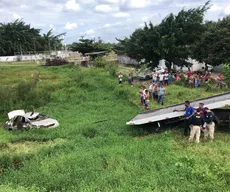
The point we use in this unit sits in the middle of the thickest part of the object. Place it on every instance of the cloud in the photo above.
(90, 32)
(70, 26)
(227, 10)
(16, 16)
(121, 14)
(215, 7)
(109, 25)
(109, 1)
(103, 8)
(72, 5)
(52, 27)
(145, 19)
(136, 4)
(24, 6)
(87, 1)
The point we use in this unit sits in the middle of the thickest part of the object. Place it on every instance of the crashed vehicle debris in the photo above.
(19, 120)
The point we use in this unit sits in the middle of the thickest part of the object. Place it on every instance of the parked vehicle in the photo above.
(159, 70)
(147, 74)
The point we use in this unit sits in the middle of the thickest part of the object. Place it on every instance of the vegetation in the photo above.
(214, 46)
(226, 72)
(20, 37)
(90, 45)
(179, 37)
(93, 149)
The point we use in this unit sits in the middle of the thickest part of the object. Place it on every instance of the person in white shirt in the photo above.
(166, 79)
(161, 78)
(151, 90)
(154, 77)
(120, 77)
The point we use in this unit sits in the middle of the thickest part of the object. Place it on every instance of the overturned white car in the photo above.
(18, 119)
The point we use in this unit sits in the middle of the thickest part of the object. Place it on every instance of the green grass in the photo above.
(93, 149)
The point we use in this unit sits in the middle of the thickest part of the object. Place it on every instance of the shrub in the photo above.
(226, 72)
(56, 62)
(112, 68)
(25, 95)
(100, 62)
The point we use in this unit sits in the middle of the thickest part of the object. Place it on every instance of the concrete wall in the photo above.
(218, 68)
(38, 56)
(123, 59)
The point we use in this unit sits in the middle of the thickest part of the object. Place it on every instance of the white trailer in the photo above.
(166, 114)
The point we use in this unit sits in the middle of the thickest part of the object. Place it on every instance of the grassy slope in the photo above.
(86, 155)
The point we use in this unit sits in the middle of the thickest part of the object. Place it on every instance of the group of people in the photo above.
(197, 120)
(154, 92)
(195, 79)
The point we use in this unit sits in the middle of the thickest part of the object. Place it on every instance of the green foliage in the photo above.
(214, 46)
(90, 45)
(18, 36)
(24, 95)
(112, 68)
(100, 62)
(171, 40)
(226, 72)
(93, 149)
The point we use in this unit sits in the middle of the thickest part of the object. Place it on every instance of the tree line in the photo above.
(19, 37)
(179, 37)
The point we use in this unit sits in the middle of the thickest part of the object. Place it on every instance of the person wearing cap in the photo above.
(197, 121)
(209, 126)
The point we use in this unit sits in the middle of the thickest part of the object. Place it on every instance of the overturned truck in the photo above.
(20, 120)
(164, 117)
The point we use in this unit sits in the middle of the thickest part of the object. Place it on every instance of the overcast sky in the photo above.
(107, 19)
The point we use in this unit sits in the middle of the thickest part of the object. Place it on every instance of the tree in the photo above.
(90, 45)
(171, 40)
(179, 33)
(52, 42)
(18, 36)
(143, 44)
(214, 46)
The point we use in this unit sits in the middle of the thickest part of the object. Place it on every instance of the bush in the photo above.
(56, 62)
(226, 72)
(112, 68)
(25, 95)
(100, 62)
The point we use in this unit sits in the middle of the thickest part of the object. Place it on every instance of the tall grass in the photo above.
(93, 149)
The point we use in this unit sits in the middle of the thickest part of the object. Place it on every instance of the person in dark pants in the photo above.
(197, 121)
(189, 111)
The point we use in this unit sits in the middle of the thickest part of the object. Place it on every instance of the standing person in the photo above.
(147, 99)
(130, 79)
(196, 82)
(161, 79)
(120, 78)
(189, 111)
(197, 121)
(209, 124)
(151, 85)
(156, 92)
(170, 78)
(154, 77)
(166, 77)
(161, 94)
(201, 108)
(142, 95)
